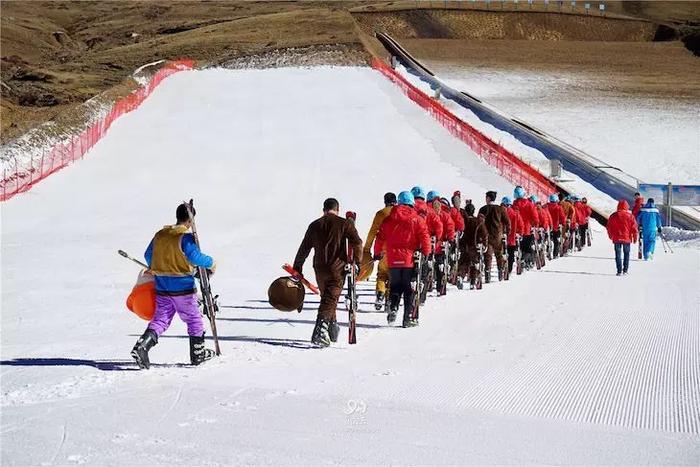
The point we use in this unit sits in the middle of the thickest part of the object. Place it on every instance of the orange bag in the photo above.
(142, 299)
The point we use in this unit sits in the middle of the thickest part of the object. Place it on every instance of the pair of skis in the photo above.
(209, 301)
(351, 302)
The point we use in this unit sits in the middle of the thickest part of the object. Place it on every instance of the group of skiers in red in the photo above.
(428, 242)
(423, 242)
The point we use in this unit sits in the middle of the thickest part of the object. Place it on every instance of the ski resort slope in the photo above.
(569, 364)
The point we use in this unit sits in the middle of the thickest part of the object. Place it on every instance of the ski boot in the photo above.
(500, 275)
(333, 331)
(379, 303)
(140, 351)
(487, 277)
(320, 336)
(391, 316)
(408, 320)
(198, 352)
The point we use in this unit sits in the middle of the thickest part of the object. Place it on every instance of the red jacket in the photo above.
(402, 233)
(528, 212)
(583, 212)
(622, 227)
(432, 220)
(557, 214)
(457, 219)
(516, 225)
(638, 205)
(545, 218)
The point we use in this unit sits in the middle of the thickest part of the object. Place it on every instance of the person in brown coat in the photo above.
(329, 236)
(475, 233)
(498, 224)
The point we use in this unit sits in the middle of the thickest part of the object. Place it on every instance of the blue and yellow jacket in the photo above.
(172, 257)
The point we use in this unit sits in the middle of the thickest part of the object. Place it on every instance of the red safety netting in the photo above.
(510, 166)
(26, 174)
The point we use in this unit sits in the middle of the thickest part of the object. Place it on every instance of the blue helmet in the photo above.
(418, 192)
(405, 197)
(507, 201)
(519, 192)
(534, 199)
(553, 198)
(432, 194)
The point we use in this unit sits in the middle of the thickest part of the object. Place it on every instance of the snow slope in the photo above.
(566, 365)
(655, 139)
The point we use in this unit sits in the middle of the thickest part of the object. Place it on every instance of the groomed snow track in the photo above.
(568, 365)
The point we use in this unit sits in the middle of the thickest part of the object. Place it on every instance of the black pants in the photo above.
(582, 229)
(440, 277)
(511, 257)
(556, 240)
(401, 288)
(527, 244)
(623, 264)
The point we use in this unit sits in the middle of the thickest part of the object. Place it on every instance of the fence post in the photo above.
(41, 172)
(669, 204)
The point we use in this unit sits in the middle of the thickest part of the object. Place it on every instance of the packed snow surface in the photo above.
(656, 139)
(569, 364)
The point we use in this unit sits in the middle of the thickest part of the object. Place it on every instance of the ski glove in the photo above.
(659, 230)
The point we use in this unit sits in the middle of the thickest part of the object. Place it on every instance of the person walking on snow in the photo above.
(401, 234)
(649, 221)
(570, 225)
(434, 226)
(367, 261)
(622, 230)
(583, 213)
(172, 257)
(530, 219)
(517, 229)
(558, 222)
(497, 224)
(448, 236)
(329, 236)
(638, 203)
(475, 234)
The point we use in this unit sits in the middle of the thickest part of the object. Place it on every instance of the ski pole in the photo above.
(126, 255)
(666, 243)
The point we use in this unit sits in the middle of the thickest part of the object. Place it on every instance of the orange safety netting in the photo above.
(39, 166)
(510, 166)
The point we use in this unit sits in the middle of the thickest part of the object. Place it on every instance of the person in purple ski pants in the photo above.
(172, 257)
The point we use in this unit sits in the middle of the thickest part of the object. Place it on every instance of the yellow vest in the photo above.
(168, 258)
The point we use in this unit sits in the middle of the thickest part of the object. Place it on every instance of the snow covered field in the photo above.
(653, 138)
(566, 365)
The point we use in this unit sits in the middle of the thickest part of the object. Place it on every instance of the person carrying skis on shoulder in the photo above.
(517, 229)
(622, 230)
(497, 224)
(650, 224)
(329, 236)
(172, 257)
(448, 235)
(558, 217)
(401, 234)
(475, 234)
(530, 220)
(367, 259)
